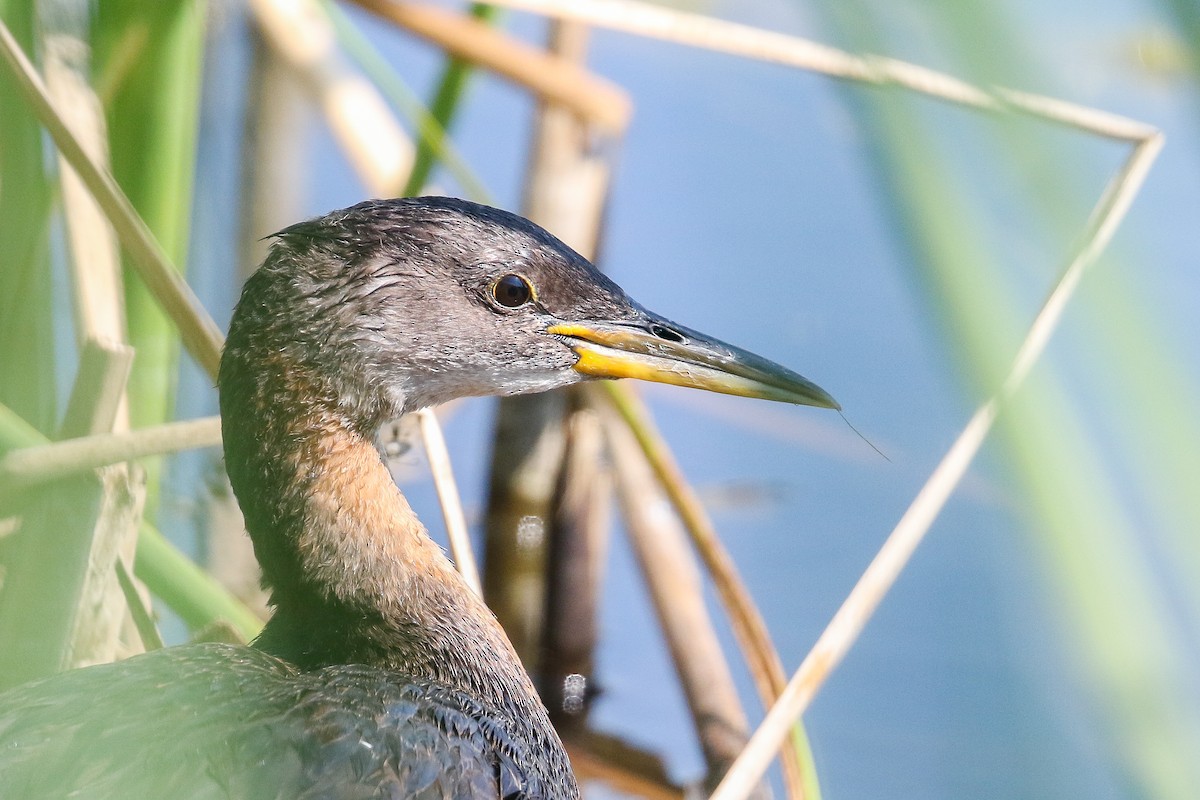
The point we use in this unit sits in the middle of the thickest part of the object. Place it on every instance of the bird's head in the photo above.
(400, 304)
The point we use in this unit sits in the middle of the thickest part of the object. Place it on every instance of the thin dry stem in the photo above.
(100, 608)
(139, 610)
(448, 498)
(843, 630)
(697, 30)
(753, 637)
(579, 528)
(95, 259)
(31, 465)
(669, 569)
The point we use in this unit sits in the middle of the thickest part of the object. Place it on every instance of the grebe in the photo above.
(380, 674)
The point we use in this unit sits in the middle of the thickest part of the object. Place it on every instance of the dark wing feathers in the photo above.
(220, 721)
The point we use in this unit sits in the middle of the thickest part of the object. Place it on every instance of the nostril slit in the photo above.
(663, 332)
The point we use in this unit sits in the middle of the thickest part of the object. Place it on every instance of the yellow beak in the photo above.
(666, 353)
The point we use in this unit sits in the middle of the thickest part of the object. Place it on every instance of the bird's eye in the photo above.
(511, 291)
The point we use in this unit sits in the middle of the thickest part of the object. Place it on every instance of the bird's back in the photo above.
(243, 724)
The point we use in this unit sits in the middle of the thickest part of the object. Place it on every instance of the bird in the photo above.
(379, 673)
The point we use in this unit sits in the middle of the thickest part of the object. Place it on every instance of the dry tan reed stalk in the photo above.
(139, 609)
(200, 334)
(580, 524)
(365, 128)
(669, 569)
(101, 610)
(96, 405)
(94, 257)
(709, 33)
(529, 441)
(97, 402)
(753, 637)
(843, 630)
(448, 498)
(553, 79)
(32, 465)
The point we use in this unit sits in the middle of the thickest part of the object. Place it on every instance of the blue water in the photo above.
(745, 206)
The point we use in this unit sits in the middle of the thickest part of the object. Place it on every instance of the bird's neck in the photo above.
(355, 578)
